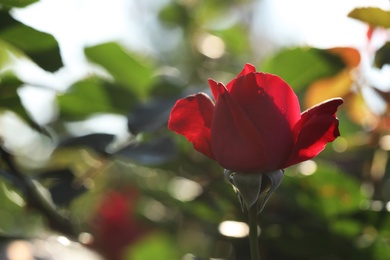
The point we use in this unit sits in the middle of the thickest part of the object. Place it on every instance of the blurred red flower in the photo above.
(116, 226)
(255, 124)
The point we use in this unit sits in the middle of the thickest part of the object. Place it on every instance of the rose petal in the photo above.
(191, 117)
(214, 88)
(235, 142)
(248, 68)
(317, 127)
(273, 108)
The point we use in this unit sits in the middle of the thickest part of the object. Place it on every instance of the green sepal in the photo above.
(254, 188)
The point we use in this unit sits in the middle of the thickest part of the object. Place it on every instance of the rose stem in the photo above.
(253, 233)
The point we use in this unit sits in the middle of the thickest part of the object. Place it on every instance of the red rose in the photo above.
(255, 124)
(115, 226)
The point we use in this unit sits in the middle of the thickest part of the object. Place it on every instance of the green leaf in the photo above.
(91, 96)
(6, 53)
(372, 15)
(17, 3)
(209, 11)
(301, 66)
(41, 47)
(14, 220)
(346, 227)
(10, 100)
(382, 56)
(97, 142)
(174, 14)
(330, 192)
(156, 246)
(155, 152)
(135, 74)
(150, 116)
(236, 39)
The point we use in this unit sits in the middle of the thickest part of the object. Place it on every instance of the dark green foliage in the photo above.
(41, 47)
(382, 56)
(301, 66)
(17, 3)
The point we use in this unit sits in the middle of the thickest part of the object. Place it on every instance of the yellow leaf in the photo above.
(359, 113)
(350, 56)
(323, 89)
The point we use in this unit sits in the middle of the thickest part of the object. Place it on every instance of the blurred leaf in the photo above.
(29, 39)
(10, 100)
(8, 53)
(338, 85)
(359, 112)
(90, 96)
(41, 47)
(11, 179)
(208, 12)
(135, 74)
(350, 56)
(347, 227)
(150, 116)
(326, 88)
(174, 14)
(17, 3)
(346, 125)
(203, 211)
(14, 219)
(236, 39)
(330, 192)
(157, 151)
(97, 142)
(63, 188)
(381, 234)
(167, 86)
(372, 15)
(157, 246)
(381, 248)
(382, 56)
(301, 66)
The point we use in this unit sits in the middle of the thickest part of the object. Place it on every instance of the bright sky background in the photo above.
(79, 23)
(318, 23)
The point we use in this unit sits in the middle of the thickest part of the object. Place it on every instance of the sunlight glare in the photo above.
(19, 250)
(13, 196)
(184, 189)
(340, 144)
(384, 143)
(307, 168)
(234, 229)
(155, 211)
(211, 46)
(63, 241)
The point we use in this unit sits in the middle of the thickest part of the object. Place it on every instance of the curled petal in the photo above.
(214, 88)
(191, 117)
(317, 127)
(248, 68)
